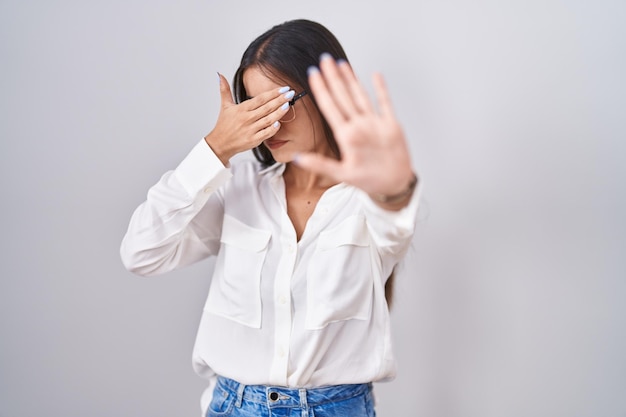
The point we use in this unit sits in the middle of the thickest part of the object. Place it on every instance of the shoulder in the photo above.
(247, 169)
(244, 164)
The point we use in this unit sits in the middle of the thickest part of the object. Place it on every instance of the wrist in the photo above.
(390, 199)
(222, 154)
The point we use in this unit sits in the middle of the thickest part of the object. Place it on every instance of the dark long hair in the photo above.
(284, 53)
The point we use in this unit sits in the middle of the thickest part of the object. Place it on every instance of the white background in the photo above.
(512, 302)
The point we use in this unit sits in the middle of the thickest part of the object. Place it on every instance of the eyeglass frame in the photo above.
(297, 97)
(292, 102)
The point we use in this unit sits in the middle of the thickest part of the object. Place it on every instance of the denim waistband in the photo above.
(275, 396)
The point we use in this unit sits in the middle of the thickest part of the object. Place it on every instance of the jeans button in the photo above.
(273, 396)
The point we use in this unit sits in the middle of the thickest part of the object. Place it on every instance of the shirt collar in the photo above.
(277, 167)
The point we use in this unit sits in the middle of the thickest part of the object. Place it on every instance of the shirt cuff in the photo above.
(201, 170)
(404, 219)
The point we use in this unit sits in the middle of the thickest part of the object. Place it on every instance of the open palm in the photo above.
(374, 152)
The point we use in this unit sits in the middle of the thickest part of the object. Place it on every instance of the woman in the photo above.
(296, 318)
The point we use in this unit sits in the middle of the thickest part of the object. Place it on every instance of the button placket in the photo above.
(282, 306)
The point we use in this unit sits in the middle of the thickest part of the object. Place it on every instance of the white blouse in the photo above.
(279, 311)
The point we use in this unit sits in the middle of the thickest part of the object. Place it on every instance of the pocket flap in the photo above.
(352, 231)
(239, 234)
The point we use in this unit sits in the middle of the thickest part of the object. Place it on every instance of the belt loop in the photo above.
(240, 389)
(303, 403)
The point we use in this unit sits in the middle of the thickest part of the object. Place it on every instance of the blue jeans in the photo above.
(233, 399)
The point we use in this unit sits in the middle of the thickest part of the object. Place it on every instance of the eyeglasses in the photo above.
(292, 109)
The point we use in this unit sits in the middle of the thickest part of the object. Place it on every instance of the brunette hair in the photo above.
(285, 52)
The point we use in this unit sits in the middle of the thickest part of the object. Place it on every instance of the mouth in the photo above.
(274, 143)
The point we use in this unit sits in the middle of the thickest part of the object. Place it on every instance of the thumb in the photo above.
(225, 93)
(319, 164)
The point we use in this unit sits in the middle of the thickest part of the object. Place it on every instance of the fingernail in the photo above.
(285, 106)
(341, 61)
(219, 78)
(325, 55)
(276, 124)
(290, 95)
(312, 70)
(282, 90)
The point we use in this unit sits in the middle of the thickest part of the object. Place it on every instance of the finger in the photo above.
(271, 118)
(266, 133)
(359, 95)
(337, 85)
(268, 100)
(319, 164)
(323, 98)
(225, 93)
(267, 112)
(382, 96)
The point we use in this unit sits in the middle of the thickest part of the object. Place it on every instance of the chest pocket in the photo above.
(339, 278)
(235, 291)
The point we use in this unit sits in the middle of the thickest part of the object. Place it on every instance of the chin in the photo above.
(283, 157)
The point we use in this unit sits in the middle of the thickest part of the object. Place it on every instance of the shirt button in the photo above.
(281, 353)
(291, 248)
(282, 299)
(208, 189)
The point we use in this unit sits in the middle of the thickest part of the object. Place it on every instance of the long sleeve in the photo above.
(180, 221)
(392, 231)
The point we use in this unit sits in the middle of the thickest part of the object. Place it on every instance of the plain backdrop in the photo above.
(512, 300)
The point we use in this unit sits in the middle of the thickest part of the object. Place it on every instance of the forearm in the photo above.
(162, 234)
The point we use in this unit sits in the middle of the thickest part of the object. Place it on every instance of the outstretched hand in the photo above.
(374, 152)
